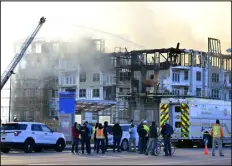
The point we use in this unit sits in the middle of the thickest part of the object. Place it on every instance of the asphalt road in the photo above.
(193, 156)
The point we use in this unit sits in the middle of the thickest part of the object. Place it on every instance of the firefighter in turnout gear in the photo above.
(100, 136)
(217, 134)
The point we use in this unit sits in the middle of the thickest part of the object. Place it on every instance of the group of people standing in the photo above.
(99, 135)
(148, 137)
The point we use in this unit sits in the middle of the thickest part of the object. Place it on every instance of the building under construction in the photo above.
(131, 83)
(32, 84)
(144, 77)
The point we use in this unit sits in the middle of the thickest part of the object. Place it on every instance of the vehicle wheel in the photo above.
(124, 145)
(38, 149)
(158, 150)
(5, 150)
(173, 148)
(28, 146)
(60, 145)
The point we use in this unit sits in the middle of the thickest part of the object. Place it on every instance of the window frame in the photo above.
(177, 122)
(22, 127)
(96, 77)
(198, 92)
(94, 93)
(36, 125)
(186, 75)
(198, 76)
(215, 93)
(82, 91)
(215, 77)
(176, 109)
(83, 77)
(175, 77)
(43, 125)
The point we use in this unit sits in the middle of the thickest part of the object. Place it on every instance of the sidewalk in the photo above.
(69, 146)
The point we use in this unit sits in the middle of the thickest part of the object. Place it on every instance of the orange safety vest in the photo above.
(100, 134)
(217, 131)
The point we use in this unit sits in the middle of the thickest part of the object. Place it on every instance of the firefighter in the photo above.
(100, 136)
(75, 135)
(166, 132)
(217, 134)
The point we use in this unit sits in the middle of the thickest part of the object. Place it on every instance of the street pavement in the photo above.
(194, 156)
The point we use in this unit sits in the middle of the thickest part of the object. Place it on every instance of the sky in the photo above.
(150, 24)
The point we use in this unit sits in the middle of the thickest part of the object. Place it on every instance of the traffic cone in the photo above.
(206, 152)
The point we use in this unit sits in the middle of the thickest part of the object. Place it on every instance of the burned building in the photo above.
(146, 76)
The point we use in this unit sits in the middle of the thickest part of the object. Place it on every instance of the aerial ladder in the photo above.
(10, 69)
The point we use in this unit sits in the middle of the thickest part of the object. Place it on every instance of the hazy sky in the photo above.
(151, 24)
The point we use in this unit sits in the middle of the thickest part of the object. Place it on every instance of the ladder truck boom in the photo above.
(10, 69)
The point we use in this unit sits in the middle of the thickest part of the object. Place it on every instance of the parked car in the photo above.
(30, 136)
(125, 136)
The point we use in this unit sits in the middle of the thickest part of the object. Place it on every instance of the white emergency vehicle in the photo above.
(191, 118)
(30, 136)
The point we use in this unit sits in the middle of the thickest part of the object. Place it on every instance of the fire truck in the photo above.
(192, 118)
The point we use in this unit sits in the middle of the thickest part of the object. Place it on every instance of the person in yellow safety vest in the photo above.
(217, 134)
(147, 130)
(100, 136)
(94, 136)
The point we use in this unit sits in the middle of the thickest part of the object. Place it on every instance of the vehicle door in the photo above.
(110, 135)
(175, 120)
(37, 133)
(125, 132)
(48, 135)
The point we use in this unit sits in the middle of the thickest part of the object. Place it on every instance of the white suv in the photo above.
(30, 136)
(125, 136)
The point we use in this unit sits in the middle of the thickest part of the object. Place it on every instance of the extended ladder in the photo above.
(10, 69)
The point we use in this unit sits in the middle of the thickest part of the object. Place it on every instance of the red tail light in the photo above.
(16, 133)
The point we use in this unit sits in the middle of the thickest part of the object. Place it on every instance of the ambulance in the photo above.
(192, 118)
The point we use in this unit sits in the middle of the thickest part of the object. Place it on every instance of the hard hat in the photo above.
(144, 121)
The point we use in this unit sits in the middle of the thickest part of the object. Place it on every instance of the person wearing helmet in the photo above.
(15, 119)
(145, 126)
(166, 132)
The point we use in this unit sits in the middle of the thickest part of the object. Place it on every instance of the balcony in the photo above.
(63, 66)
(108, 80)
(180, 83)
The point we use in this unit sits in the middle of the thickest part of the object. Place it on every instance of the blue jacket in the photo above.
(167, 130)
(90, 130)
(133, 132)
